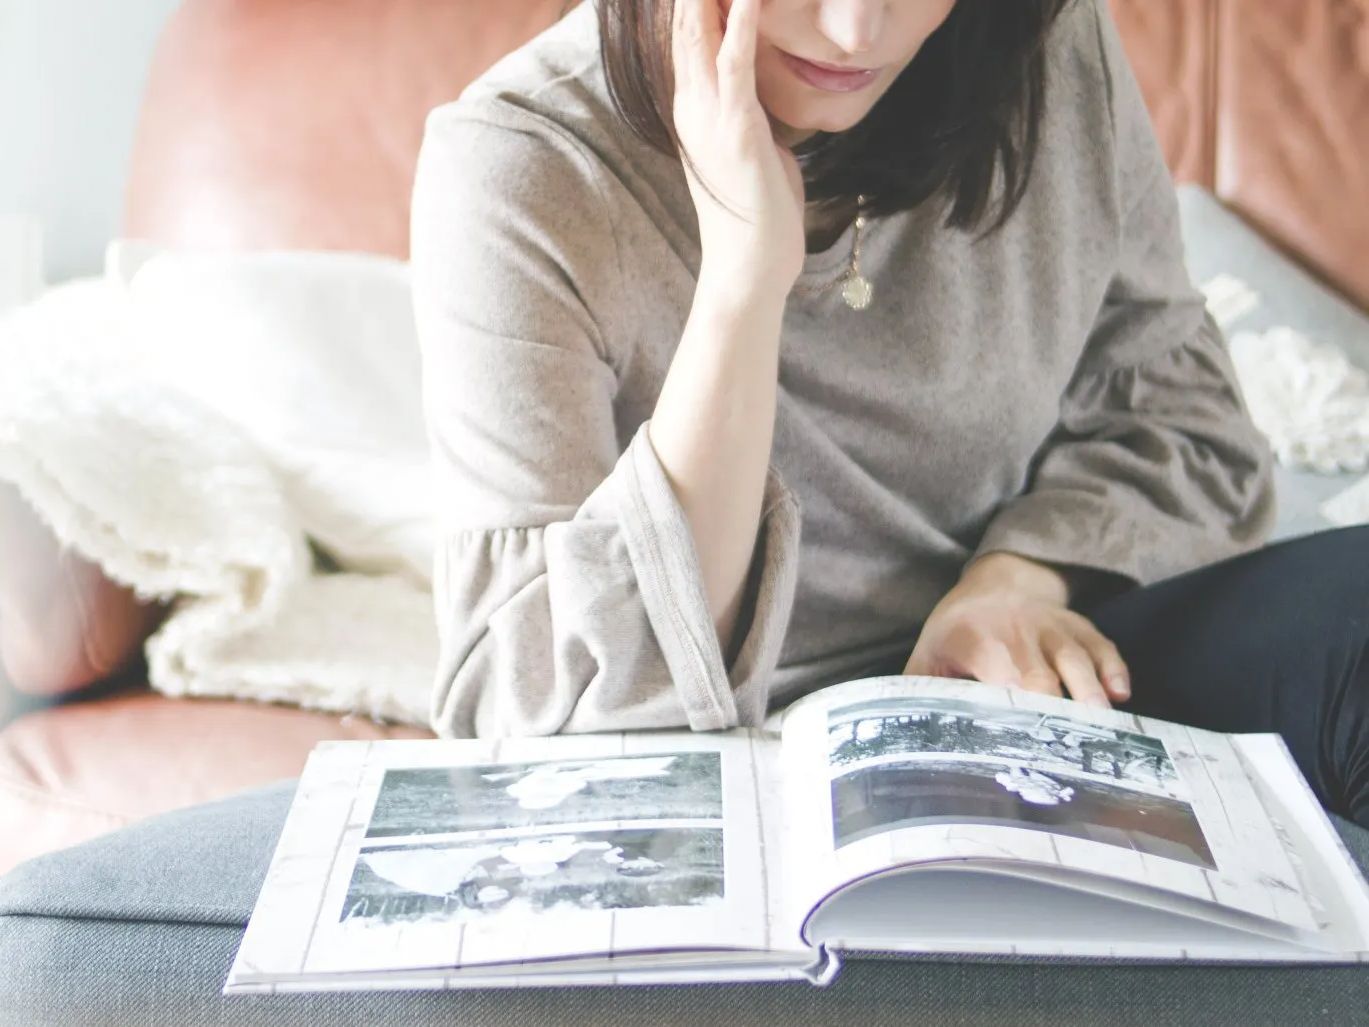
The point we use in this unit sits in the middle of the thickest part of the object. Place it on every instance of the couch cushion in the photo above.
(293, 124)
(141, 926)
(1291, 91)
(1265, 104)
(74, 771)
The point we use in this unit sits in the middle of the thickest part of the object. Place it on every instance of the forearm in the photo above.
(712, 430)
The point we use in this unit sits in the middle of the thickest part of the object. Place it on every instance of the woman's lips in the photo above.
(823, 78)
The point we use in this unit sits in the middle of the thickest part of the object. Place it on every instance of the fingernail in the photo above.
(1120, 686)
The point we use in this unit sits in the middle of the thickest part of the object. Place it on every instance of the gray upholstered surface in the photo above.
(140, 927)
(1217, 242)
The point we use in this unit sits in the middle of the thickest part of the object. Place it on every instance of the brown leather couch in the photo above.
(287, 123)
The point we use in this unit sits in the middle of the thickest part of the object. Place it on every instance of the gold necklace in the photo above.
(856, 289)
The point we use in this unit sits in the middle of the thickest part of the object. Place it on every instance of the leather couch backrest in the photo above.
(296, 123)
(1266, 102)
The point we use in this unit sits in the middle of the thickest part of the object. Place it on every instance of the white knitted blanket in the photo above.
(180, 482)
(1310, 401)
(1304, 394)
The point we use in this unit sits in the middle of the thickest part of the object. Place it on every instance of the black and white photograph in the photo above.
(443, 800)
(538, 874)
(912, 762)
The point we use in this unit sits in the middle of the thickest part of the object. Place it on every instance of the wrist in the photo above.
(728, 289)
(1008, 572)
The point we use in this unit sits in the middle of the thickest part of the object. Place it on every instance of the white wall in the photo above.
(71, 80)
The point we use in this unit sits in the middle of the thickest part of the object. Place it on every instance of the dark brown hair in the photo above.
(969, 104)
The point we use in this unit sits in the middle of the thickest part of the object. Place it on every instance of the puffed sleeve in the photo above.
(567, 589)
(1155, 466)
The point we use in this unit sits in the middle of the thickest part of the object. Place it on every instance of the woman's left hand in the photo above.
(1008, 621)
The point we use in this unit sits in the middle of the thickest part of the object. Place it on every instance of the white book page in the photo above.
(1319, 856)
(403, 855)
(902, 770)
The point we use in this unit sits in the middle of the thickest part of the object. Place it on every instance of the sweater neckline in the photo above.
(821, 263)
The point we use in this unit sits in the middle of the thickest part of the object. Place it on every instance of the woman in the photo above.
(692, 466)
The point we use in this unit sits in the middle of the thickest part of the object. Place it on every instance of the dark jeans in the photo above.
(1275, 640)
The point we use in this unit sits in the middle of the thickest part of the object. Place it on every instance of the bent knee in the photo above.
(73, 631)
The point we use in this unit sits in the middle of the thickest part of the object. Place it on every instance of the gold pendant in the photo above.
(857, 291)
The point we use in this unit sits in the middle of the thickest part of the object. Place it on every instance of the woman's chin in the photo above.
(798, 127)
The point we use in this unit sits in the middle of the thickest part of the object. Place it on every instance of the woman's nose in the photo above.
(853, 25)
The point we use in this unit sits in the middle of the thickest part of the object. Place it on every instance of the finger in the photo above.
(1077, 670)
(696, 33)
(980, 656)
(1035, 672)
(737, 54)
(918, 663)
(924, 662)
(1107, 659)
(682, 44)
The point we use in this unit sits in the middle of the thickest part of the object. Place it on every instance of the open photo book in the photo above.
(890, 815)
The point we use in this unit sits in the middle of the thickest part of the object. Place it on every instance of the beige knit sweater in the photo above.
(1056, 390)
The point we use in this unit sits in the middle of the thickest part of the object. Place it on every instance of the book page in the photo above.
(1317, 852)
(902, 770)
(401, 855)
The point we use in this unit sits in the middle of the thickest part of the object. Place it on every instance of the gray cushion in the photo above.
(141, 927)
(1217, 241)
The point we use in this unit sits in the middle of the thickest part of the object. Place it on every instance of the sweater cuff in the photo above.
(1071, 529)
(775, 570)
(660, 544)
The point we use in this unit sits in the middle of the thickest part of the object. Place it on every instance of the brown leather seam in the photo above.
(1211, 86)
(15, 785)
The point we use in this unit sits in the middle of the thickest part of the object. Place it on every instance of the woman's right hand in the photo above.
(753, 233)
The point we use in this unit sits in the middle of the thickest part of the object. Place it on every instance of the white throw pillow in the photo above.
(314, 355)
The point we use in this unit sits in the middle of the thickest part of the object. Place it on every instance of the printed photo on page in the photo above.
(532, 853)
(913, 762)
